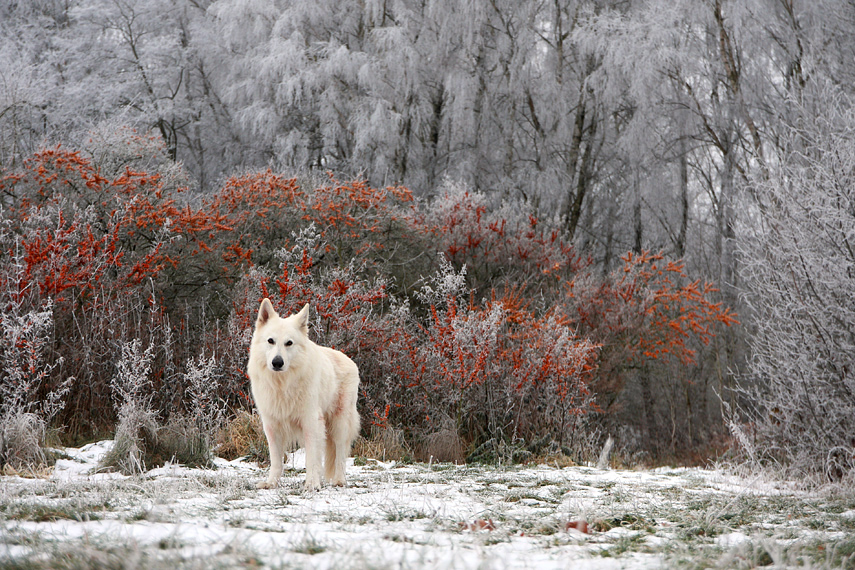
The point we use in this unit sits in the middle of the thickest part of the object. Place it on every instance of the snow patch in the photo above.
(390, 515)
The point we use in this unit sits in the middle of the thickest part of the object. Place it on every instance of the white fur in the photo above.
(310, 400)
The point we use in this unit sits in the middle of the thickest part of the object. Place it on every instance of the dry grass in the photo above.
(444, 445)
(141, 443)
(33, 472)
(136, 435)
(181, 441)
(557, 460)
(243, 436)
(384, 445)
(22, 437)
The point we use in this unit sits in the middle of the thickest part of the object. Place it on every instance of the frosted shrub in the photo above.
(497, 372)
(652, 323)
(800, 271)
(444, 285)
(552, 371)
(136, 434)
(206, 407)
(137, 431)
(28, 400)
(461, 361)
(131, 380)
(499, 244)
(142, 440)
(22, 437)
(25, 337)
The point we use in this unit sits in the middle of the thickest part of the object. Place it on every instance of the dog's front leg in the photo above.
(313, 436)
(277, 456)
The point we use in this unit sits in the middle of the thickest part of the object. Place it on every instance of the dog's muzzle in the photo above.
(277, 363)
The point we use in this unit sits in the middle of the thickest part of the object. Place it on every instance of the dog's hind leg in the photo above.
(329, 460)
(337, 453)
(343, 429)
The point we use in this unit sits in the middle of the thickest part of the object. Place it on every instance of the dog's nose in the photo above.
(277, 363)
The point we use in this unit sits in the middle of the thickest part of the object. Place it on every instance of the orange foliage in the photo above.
(82, 234)
(467, 355)
(470, 234)
(647, 309)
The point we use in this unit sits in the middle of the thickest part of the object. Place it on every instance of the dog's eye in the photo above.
(271, 341)
(289, 342)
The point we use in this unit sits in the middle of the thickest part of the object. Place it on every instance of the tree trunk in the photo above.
(680, 246)
(638, 229)
(574, 212)
(433, 137)
(649, 411)
(573, 205)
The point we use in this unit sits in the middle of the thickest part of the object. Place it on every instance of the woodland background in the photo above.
(532, 224)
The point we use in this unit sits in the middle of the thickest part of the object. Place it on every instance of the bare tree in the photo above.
(800, 271)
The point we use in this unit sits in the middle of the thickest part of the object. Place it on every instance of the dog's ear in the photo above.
(265, 312)
(303, 319)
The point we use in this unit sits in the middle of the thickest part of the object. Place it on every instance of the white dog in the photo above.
(305, 393)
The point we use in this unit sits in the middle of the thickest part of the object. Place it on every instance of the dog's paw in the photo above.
(312, 485)
(265, 485)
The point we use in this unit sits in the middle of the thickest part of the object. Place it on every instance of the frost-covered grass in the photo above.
(418, 516)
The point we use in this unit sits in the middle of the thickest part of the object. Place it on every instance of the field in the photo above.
(418, 516)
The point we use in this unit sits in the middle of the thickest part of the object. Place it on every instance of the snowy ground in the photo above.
(418, 516)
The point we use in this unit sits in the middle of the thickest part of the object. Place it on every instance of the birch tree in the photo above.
(146, 62)
(688, 87)
(28, 84)
(294, 78)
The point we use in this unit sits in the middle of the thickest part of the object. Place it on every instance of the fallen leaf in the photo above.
(478, 524)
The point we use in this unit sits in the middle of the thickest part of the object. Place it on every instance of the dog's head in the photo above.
(281, 341)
